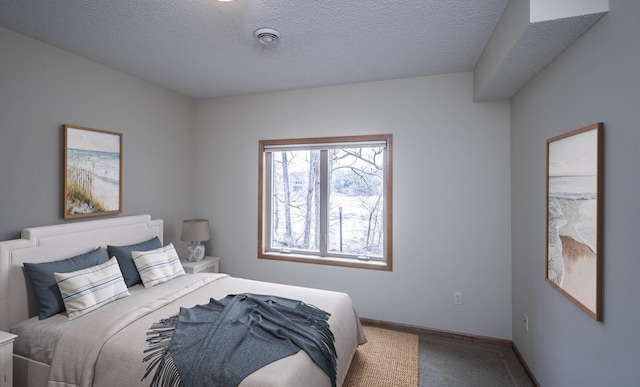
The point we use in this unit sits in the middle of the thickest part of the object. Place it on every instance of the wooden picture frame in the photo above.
(574, 217)
(92, 172)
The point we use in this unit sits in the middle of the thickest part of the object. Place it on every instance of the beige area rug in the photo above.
(389, 358)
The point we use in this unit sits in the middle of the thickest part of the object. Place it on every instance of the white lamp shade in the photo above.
(195, 230)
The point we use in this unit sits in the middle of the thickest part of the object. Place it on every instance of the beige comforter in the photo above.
(106, 349)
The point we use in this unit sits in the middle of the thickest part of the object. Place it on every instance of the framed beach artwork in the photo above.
(574, 217)
(92, 172)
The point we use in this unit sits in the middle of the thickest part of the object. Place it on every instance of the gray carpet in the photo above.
(456, 362)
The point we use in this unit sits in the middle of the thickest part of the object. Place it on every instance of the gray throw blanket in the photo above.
(220, 343)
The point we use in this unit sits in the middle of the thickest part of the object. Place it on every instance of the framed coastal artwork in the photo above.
(574, 217)
(92, 172)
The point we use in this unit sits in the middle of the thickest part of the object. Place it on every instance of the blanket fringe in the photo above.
(319, 322)
(159, 338)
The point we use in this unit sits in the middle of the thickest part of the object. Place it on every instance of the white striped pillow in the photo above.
(158, 265)
(88, 289)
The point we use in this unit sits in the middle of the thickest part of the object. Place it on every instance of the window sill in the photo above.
(332, 261)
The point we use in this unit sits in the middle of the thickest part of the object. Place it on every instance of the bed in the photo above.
(87, 351)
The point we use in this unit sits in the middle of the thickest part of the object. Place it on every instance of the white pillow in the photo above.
(88, 289)
(158, 265)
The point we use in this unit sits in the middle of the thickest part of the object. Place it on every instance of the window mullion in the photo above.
(268, 199)
(324, 200)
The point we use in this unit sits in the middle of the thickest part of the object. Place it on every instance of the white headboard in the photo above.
(51, 243)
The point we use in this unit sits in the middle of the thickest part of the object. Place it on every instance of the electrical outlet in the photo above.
(525, 322)
(457, 298)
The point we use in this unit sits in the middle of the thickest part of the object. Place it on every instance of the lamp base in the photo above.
(195, 252)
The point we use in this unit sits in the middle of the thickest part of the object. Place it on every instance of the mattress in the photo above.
(85, 351)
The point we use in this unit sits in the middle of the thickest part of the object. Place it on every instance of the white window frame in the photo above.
(266, 147)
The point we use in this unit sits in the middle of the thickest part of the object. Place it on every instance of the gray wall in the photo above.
(595, 80)
(41, 89)
(451, 195)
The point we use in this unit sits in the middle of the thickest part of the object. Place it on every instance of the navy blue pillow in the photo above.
(123, 255)
(44, 285)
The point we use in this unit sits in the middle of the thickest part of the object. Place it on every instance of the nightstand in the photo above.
(207, 265)
(6, 359)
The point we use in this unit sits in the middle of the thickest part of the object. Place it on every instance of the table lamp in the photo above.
(195, 231)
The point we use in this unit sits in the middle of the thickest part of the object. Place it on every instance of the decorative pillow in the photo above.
(123, 255)
(43, 283)
(158, 266)
(88, 289)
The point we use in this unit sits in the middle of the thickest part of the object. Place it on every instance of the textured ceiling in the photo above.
(206, 48)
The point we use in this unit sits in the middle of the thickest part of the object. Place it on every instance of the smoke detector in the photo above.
(267, 36)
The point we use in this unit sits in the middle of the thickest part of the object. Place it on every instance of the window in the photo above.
(326, 200)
